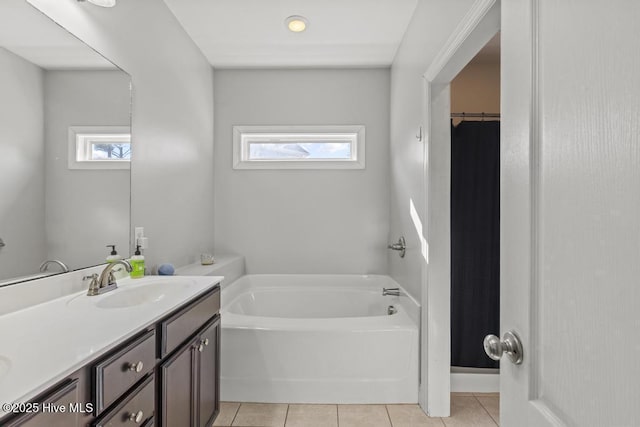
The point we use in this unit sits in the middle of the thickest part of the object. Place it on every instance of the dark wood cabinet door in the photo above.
(177, 387)
(208, 374)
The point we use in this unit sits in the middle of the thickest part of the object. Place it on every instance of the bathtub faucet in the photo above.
(401, 246)
(394, 292)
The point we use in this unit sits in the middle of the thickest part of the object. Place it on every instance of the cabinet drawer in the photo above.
(121, 369)
(137, 408)
(66, 396)
(181, 325)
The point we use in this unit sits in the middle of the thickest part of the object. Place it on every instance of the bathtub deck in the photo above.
(467, 410)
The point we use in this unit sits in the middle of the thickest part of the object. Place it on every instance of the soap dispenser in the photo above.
(113, 256)
(137, 264)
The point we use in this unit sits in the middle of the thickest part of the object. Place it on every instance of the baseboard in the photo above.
(477, 382)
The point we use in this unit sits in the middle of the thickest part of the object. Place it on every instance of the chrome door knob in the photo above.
(510, 344)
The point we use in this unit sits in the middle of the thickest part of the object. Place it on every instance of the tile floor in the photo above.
(467, 410)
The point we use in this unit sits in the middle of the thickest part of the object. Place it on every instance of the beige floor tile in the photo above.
(466, 411)
(227, 413)
(487, 394)
(261, 414)
(363, 416)
(312, 416)
(461, 393)
(411, 416)
(492, 405)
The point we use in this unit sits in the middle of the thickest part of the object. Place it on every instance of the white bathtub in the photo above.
(318, 339)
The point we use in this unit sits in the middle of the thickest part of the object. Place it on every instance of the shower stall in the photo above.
(475, 239)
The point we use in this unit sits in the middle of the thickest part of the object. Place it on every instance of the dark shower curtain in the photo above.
(475, 240)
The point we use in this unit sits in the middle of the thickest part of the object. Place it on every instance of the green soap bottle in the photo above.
(137, 264)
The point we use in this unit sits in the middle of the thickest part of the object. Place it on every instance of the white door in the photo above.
(570, 266)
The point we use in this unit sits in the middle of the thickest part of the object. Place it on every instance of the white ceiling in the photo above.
(252, 33)
(28, 33)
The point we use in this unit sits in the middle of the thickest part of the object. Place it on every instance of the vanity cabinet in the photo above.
(173, 363)
(189, 377)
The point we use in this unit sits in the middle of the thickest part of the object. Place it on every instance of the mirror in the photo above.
(65, 117)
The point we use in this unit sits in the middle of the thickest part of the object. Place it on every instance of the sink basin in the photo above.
(134, 294)
(5, 366)
(130, 297)
(137, 295)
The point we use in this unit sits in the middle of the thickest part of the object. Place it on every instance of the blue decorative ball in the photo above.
(166, 270)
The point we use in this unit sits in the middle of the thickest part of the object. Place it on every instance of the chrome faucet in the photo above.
(45, 265)
(394, 292)
(107, 281)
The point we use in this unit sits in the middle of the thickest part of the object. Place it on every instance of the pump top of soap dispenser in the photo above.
(113, 256)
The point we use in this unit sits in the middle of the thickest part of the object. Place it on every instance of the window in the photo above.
(99, 147)
(298, 147)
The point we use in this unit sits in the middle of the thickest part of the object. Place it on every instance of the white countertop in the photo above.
(42, 344)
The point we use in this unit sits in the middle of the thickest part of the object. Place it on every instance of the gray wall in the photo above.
(22, 166)
(85, 209)
(172, 129)
(427, 33)
(304, 221)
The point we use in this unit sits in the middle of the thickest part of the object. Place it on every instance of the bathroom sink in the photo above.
(137, 295)
(134, 294)
(5, 367)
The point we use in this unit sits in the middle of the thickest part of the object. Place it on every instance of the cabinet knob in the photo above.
(135, 367)
(201, 347)
(136, 417)
(205, 341)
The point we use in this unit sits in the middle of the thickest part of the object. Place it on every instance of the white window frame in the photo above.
(81, 138)
(244, 135)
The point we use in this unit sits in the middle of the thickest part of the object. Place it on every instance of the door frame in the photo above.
(478, 26)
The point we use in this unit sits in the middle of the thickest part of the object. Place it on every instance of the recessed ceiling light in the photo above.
(102, 3)
(296, 23)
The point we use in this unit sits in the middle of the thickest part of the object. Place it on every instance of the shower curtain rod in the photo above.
(464, 115)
